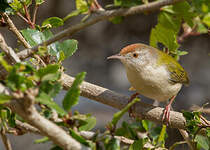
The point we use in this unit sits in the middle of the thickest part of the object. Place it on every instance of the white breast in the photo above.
(153, 82)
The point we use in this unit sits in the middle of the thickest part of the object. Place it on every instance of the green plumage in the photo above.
(177, 72)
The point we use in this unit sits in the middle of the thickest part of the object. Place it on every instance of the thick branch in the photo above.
(119, 101)
(96, 17)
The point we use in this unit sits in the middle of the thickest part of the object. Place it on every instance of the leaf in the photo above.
(42, 140)
(165, 36)
(206, 19)
(53, 21)
(203, 142)
(33, 37)
(116, 20)
(68, 47)
(137, 145)
(51, 89)
(4, 63)
(16, 5)
(162, 136)
(127, 3)
(71, 14)
(181, 53)
(45, 99)
(119, 114)
(82, 6)
(113, 144)
(78, 137)
(72, 96)
(4, 98)
(90, 124)
(39, 2)
(49, 69)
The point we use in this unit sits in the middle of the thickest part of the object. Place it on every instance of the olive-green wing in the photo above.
(177, 73)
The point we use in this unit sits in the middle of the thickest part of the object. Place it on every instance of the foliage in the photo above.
(173, 21)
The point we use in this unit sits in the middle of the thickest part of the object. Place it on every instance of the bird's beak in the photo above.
(116, 56)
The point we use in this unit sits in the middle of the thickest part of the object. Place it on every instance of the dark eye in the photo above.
(135, 55)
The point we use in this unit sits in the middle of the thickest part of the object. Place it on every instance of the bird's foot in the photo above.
(166, 115)
(132, 108)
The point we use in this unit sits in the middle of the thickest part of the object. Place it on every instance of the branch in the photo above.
(5, 140)
(119, 101)
(97, 17)
(15, 30)
(23, 106)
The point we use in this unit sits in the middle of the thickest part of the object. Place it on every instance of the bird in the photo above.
(153, 73)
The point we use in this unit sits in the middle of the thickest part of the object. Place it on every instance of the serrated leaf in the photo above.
(117, 116)
(68, 47)
(78, 137)
(90, 124)
(4, 98)
(53, 21)
(42, 140)
(203, 142)
(72, 96)
(45, 99)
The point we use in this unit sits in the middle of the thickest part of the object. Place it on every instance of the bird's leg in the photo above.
(166, 114)
(130, 111)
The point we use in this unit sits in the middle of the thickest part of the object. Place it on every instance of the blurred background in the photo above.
(104, 39)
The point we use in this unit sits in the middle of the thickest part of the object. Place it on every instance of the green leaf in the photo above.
(42, 140)
(206, 19)
(72, 96)
(45, 99)
(53, 21)
(50, 88)
(16, 5)
(33, 37)
(203, 142)
(49, 69)
(11, 120)
(5, 7)
(82, 6)
(39, 2)
(113, 144)
(127, 3)
(118, 115)
(162, 136)
(116, 20)
(181, 53)
(4, 98)
(72, 14)
(90, 124)
(137, 145)
(165, 36)
(4, 63)
(208, 132)
(78, 137)
(68, 47)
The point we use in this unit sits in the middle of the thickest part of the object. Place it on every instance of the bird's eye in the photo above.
(135, 55)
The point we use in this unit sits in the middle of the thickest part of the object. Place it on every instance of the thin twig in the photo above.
(97, 17)
(22, 17)
(5, 140)
(28, 16)
(186, 137)
(34, 14)
(15, 30)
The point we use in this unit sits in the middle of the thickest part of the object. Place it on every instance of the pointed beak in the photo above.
(116, 56)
